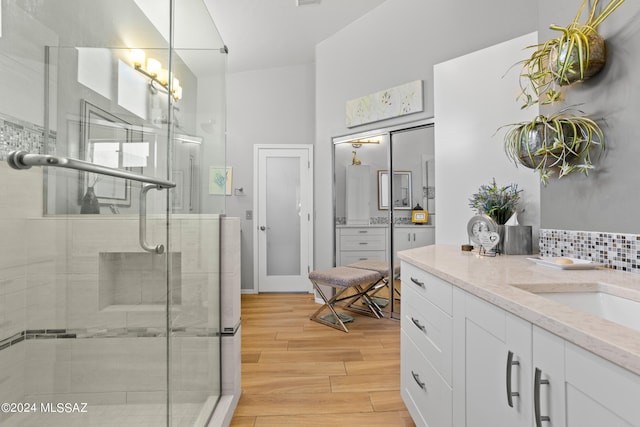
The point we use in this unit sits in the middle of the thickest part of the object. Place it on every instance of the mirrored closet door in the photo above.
(384, 198)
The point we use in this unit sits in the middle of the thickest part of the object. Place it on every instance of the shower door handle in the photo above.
(158, 249)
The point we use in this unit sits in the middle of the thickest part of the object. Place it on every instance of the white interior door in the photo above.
(283, 242)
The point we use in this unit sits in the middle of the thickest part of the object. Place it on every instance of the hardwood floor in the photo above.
(296, 372)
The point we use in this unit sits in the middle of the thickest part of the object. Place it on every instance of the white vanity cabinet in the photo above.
(413, 236)
(497, 363)
(497, 369)
(358, 180)
(548, 394)
(578, 388)
(426, 347)
(355, 244)
(598, 393)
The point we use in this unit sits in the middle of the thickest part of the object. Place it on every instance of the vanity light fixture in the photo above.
(158, 76)
(357, 143)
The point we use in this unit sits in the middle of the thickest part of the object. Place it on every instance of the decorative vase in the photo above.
(517, 240)
(542, 137)
(500, 246)
(596, 60)
(90, 204)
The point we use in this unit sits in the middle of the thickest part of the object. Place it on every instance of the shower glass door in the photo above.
(109, 261)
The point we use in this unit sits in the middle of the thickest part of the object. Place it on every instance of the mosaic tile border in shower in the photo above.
(38, 334)
(17, 134)
(613, 250)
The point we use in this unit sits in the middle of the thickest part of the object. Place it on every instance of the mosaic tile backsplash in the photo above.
(19, 135)
(613, 250)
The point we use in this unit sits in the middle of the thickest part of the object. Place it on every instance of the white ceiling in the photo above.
(277, 33)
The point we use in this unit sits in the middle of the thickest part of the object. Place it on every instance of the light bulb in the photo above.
(163, 76)
(137, 57)
(153, 66)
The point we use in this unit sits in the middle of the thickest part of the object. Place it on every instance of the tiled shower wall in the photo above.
(613, 250)
(58, 342)
(20, 198)
(19, 135)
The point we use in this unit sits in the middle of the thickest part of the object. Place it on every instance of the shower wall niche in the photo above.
(137, 280)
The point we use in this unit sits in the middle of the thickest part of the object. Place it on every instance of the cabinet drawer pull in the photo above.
(416, 378)
(364, 243)
(510, 364)
(417, 282)
(418, 325)
(362, 231)
(536, 398)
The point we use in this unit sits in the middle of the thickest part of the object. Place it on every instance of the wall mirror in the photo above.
(372, 212)
(105, 141)
(401, 190)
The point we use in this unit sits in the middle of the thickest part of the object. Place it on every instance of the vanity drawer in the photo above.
(363, 231)
(436, 290)
(350, 257)
(430, 329)
(363, 242)
(427, 396)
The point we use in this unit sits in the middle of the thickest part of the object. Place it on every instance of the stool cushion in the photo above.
(344, 277)
(380, 266)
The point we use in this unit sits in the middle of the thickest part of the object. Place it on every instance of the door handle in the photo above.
(537, 381)
(262, 228)
(417, 282)
(418, 324)
(416, 378)
(510, 364)
(158, 249)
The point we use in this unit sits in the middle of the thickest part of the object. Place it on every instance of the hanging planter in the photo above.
(578, 54)
(561, 142)
(571, 63)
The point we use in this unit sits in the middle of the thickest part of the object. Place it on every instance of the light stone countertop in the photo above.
(491, 279)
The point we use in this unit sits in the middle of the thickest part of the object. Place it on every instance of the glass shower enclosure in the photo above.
(112, 116)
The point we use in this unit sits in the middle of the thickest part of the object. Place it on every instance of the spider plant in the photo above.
(579, 53)
(561, 142)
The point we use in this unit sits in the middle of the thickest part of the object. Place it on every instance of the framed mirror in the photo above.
(402, 190)
(106, 141)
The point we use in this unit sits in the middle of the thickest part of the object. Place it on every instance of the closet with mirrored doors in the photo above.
(384, 198)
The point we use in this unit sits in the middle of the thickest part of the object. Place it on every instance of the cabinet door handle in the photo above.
(537, 381)
(408, 237)
(418, 325)
(414, 237)
(417, 282)
(510, 364)
(416, 378)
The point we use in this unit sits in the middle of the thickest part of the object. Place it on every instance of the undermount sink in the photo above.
(598, 300)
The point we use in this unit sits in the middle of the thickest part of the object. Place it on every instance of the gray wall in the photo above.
(609, 198)
(270, 106)
(398, 42)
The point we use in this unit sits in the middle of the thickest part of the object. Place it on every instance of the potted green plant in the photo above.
(559, 142)
(498, 203)
(578, 54)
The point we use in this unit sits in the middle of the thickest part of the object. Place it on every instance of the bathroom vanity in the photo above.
(486, 343)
